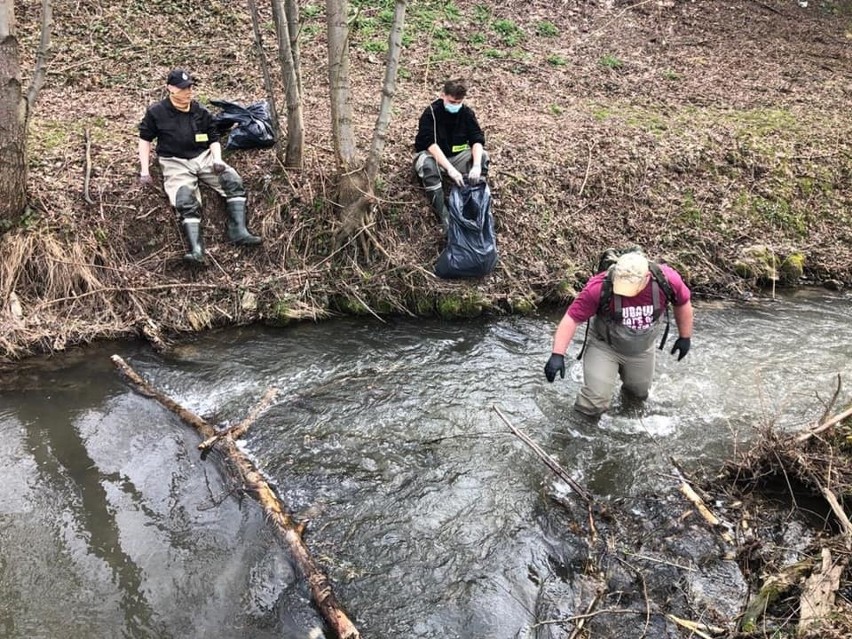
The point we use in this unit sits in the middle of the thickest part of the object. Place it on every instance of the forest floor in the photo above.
(714, 134)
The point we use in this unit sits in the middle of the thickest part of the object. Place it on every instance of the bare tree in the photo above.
(286, 21)
(356, 179)
(15, 109)
(267, 76)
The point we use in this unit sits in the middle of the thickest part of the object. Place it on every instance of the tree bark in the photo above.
(267, 79)
(388, 92)
(342, 127)
(256, 485)
(291, 8)
(292, 83)
(13, 116)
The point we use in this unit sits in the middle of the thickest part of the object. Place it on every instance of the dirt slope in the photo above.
(695, 128)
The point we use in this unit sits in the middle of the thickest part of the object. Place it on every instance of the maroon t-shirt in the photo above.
(637, 311)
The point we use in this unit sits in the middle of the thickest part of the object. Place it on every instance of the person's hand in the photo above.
(681, 346)
(556, 364)
(475, 174)
(145, 179)
(219, 168)
(455, 176)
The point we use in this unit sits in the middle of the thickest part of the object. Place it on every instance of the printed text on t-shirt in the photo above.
(638, 317)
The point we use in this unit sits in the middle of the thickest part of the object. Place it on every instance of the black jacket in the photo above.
(179, 134)
(455, 132)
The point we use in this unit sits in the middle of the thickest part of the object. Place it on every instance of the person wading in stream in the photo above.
(625, 305)
(188, 150)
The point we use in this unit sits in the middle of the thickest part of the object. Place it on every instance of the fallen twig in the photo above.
(547, 459)
(88, 174)
(238, 430)
(699, 629)
(824, 426)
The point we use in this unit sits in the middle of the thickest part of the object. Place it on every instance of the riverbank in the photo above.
(715, 137)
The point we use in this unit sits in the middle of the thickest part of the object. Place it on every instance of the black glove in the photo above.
(682, 345)
(556, 364)
(219, 168)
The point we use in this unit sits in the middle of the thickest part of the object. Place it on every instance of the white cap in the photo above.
(630, 275)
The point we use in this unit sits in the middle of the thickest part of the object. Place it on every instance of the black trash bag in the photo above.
(471, 249)
(247, 127)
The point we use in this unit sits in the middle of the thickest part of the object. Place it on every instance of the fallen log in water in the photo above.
(256, 485)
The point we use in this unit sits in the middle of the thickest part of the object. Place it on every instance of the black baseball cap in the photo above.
(180, 79)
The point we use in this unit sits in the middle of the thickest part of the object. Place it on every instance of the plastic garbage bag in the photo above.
(248, 127)
(471, 249)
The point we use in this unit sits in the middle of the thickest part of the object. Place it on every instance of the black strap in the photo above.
(585, 337)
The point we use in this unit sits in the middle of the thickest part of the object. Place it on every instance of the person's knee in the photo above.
(639, 393)
(590, 403)
(232, 183)
(429, 172)
(636, 384)
(186, 203)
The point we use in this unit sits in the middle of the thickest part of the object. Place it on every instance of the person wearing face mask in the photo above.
(449, 142)
(188, 150)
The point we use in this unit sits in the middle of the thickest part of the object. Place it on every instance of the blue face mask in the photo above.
(452, 108)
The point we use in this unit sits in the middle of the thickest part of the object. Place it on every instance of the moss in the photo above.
(757, 262)
(522, 305)
(280, 312)
(792, 268)
(465, 304)
(423, 305)
(350, 306)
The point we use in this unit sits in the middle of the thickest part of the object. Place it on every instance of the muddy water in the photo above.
(431, 518)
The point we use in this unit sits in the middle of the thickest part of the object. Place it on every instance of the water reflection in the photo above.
(430, 517)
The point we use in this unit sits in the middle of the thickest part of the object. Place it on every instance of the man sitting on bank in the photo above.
(188, 150)
(449, 142)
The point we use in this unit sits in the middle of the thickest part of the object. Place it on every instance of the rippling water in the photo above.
(431, 518)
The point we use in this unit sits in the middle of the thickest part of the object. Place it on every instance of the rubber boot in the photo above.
(237, 232)
(192, 230)
(439, 206)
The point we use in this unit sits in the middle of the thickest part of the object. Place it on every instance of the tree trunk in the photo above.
(388, 91)
(292, 83)
(354, 190)
(267, 79)
(13, 117)
(342, 128)
(291, 8)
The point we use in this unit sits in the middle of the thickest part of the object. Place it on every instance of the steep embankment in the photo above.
(697, 129)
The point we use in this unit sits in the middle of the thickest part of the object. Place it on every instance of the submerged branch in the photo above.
(260, 489)
(547, 459)
(238, 430)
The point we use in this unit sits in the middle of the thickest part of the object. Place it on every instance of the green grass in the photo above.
(509, 32)
(610, 61)
(546, 29)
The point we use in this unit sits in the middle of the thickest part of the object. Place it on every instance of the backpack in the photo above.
(606, 262)
(471, 249)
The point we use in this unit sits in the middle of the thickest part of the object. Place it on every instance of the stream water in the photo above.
(430, 517)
